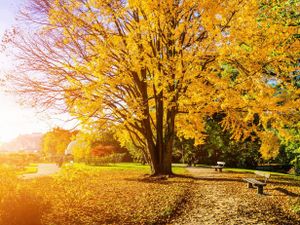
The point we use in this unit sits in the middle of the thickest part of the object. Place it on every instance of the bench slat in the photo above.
(220, 163)
(262, 174)
(217, 167)
(253, 181)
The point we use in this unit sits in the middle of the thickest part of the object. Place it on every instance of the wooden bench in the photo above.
(259, 181)
(219, 166)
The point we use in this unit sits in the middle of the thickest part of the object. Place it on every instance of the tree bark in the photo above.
(162, 157)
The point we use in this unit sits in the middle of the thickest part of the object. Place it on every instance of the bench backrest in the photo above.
(266, 176)
(221, 163)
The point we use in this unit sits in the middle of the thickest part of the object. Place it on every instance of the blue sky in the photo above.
(14, 119)
(8, 11)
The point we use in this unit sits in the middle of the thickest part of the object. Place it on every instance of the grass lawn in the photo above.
(273, 174)
(241, 170)
(176, 168)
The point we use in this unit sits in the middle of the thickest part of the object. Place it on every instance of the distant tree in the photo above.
(81, 147)
(56, 141)
(97, 143)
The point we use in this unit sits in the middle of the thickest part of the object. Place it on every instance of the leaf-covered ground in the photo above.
(223, 198)
(90, 196)
(123, 195)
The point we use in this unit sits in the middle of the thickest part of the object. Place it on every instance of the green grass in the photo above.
(33, 165)
(31, 168)
(241, 170)
(110, 167)
(177, 168)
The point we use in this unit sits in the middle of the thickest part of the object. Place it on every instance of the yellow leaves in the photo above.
(270, 145)
(191, 126)
(200, 57)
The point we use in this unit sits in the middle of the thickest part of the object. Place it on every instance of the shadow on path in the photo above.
(286, 192)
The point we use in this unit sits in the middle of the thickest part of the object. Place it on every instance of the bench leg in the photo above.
(250, 185)
(216, 169)
(220, 170)
(260, 189)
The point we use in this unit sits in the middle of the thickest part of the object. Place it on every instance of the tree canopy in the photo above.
(152, 69)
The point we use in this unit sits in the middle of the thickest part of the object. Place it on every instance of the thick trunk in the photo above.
(164, 166)
(169, 139)
(162, 159)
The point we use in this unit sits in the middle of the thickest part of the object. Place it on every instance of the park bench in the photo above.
(259, 181)
(219, 166)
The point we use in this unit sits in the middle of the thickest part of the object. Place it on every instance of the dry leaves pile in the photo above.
(94, 196)
(90, 196)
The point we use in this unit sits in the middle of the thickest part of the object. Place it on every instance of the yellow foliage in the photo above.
(146, 65)
(270, 145)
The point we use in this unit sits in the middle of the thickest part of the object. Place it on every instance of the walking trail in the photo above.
(43, 170)
(223, 198)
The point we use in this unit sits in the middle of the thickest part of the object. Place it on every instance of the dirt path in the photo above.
(43, 170)
(223, 198)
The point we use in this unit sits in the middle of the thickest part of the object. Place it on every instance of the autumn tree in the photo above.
(55, 142)
(152, 69)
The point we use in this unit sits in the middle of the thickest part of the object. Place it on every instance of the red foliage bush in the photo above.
(103, 150)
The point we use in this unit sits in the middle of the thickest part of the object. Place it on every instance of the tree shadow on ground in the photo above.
(209, 178)
(290, 183)
(286, 192)
(149, 179)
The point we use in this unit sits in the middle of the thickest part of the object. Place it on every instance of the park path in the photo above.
(211, 200)
(223, 198)
(44, 169)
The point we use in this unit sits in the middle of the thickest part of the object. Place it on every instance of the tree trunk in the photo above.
(162, 157)
(164, 165)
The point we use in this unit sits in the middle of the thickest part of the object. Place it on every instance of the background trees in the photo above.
(154, 69)
(55, 142)
(98, 147)
(219, 146)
